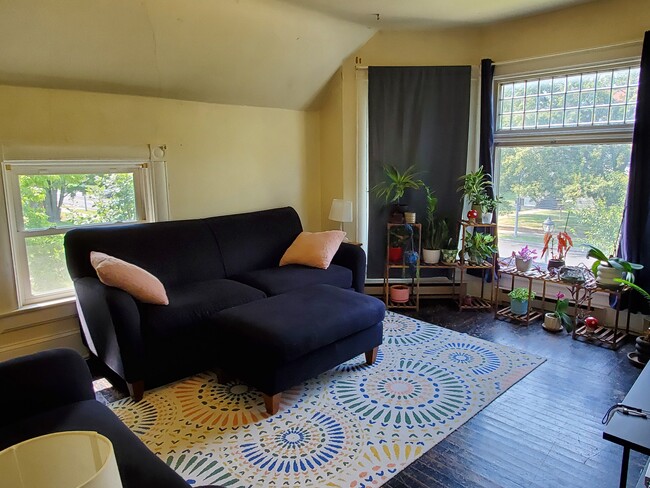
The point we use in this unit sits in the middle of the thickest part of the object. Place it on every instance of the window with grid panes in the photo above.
(563, 144)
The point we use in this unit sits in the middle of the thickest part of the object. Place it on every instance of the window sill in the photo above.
(38, 314)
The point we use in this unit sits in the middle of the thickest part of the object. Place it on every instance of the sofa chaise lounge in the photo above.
(231, 305)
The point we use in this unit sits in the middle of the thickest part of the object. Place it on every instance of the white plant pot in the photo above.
(486, 218)
(605, 276)
(431, 256)
(523, 265)
(552, 323)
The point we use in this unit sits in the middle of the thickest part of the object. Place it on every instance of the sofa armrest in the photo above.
(110, 321)
(354, 258)
(41, 382)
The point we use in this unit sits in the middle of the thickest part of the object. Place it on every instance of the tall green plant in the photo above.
(475, 186)
(396, 183)
(430, 222)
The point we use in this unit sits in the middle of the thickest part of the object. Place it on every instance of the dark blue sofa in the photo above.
(52, 391)
(207, 266)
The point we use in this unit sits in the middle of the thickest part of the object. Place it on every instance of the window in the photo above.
(563, 144)
(46, 199)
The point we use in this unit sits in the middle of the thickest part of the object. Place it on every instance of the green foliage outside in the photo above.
(589, 181)
(62, 201)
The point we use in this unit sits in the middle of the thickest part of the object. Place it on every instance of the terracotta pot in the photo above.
(400, 293)
(431, 256)
(395, 254)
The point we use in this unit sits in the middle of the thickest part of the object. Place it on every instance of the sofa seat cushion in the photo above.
(274, 281)
(138, 466)
(284, 327)
(191, 305)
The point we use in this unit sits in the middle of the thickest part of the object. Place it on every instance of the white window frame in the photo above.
(12, 169)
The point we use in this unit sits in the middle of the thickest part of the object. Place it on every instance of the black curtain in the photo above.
(635, 238)
(420, 116)
(486, 137)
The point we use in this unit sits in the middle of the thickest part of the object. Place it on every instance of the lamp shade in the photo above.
(75, 459)
(341, 210)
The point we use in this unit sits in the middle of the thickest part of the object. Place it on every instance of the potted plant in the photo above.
(608, 270)
(554, 321)
(564, 243)
(488, 206)
(519, 298)
(524, 258)
(479, 247)
(430, 253)
(396, 237)
(449, 247)
(474, 187)
(643, 341)
(392, 189)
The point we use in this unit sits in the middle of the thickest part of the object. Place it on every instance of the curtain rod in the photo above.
(568, 53)
(546, 56)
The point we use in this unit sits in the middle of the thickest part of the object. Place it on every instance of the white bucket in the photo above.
(62, 460)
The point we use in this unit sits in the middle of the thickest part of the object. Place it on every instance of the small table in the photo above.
(633, 433)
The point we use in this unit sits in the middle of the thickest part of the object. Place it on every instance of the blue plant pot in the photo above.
(518, 307)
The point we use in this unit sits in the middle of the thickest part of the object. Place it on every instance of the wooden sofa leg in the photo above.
(136, 390)
(272, 403)
(371, 356)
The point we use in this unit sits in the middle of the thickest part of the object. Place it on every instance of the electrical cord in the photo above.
(625, 410)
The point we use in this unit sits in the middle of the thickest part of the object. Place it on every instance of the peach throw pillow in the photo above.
(315, 249)
(134, 280)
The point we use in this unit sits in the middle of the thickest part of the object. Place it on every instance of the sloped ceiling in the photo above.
(269, 53)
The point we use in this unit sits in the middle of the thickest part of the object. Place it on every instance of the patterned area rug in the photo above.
(354, 426)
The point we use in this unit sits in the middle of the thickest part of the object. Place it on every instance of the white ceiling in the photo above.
(419, 14)
(270, 53)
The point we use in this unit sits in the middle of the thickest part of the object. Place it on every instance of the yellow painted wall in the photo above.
(220, 159)
(331, 147)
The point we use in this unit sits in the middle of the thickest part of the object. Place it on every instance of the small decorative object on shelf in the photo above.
(573, 274)
(409, 217)
(591, 323)
(472, 215)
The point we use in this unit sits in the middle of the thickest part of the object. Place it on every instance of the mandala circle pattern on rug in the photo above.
(477, 358)
(303, 450)
(400, 330)
(413, 394)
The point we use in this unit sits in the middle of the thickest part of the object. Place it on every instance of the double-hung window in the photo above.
(45, 199)
(563, 142)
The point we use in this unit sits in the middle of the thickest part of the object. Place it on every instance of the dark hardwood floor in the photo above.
(546, 430)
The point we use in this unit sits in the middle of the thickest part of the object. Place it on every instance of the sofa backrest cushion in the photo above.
(256, 240)
(176, 252)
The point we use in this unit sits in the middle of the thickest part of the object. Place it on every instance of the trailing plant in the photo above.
(526, 254)
(411, 256)
(489, 204)
(560, 312)
(475, 186)
(613, 262)
(398, 236)
(396, 183)
(521, 294)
